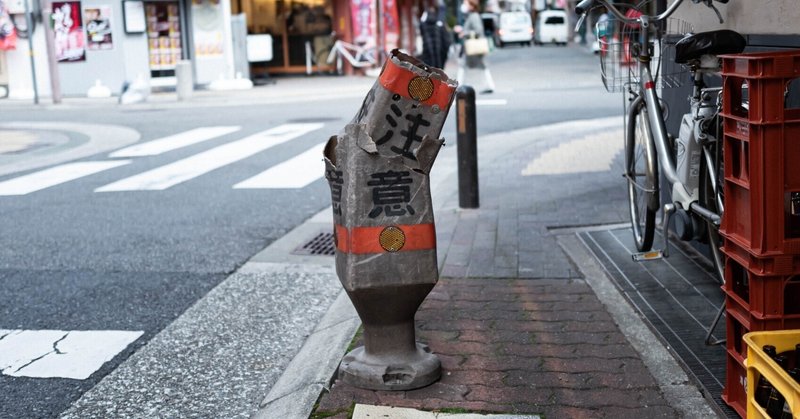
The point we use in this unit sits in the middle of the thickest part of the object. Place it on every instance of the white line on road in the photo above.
(59, 353)
(182, 170)
(174, 142)
(297, 172)
(55, 176)
(491, 102)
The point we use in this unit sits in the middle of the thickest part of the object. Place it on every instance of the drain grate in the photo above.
(321, 245)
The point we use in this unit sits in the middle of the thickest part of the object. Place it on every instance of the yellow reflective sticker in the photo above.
(392, 239)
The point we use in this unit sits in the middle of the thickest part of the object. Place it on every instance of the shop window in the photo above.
(300, 30)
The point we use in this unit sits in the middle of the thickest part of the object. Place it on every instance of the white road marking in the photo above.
(182, 170)
(491, 102)
(59, 353)
(297, 172)
(55, 176)
(592, 153)
(174, 142)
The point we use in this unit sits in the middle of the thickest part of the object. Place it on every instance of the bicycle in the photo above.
(357, 56)
(692, 162)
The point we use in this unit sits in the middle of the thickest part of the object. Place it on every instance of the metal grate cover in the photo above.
(321, 245)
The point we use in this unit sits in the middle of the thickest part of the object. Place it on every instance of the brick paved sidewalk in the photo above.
(517, 327)
(521, 346)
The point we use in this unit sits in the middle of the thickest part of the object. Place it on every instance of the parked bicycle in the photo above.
(690, 163)
(358, 56)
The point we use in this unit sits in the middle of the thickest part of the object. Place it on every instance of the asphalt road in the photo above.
(74, 258)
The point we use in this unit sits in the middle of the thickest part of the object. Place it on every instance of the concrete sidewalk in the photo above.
(288, 89)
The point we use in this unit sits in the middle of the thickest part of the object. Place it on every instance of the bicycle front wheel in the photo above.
(641, 172)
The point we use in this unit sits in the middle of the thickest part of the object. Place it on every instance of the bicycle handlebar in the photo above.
(584, 6)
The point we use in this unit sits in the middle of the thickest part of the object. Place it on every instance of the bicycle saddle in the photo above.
(694, 46)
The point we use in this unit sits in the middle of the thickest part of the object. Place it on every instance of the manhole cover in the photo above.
(321, 245)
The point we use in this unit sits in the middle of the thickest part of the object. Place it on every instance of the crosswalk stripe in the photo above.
(174, 142)
(58, 353)
(296, 172)
(182, 170)
(55, 176)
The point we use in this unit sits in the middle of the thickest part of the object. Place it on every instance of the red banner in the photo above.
(391, 25)
(363, 18)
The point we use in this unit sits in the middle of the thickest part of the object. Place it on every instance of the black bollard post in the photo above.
(467, 129)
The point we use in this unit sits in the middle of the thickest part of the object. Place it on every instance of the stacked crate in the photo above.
(761, 224)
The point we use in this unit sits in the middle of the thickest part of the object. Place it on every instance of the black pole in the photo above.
(467, 147)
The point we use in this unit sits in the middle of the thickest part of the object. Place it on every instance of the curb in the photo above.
(678, 389)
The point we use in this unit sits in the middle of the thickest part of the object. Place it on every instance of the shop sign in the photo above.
(364, 18)
(208, 24)
(98, 28)
(70, 41)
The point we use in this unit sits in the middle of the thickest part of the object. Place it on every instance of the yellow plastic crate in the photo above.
(758, 364)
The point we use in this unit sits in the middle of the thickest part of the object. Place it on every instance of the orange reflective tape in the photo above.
(385, 239)
(427, 90)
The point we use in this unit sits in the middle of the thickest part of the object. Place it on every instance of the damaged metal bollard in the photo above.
(377, 170)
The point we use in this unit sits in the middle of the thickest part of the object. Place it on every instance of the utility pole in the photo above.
(47, 22)
(29, 28)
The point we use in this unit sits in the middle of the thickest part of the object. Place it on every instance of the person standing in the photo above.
(435, 38)
(472, 28)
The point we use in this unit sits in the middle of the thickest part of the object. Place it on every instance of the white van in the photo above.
(513, 27)
(551, 26)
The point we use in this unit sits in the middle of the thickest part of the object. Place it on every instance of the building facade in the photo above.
(113, 42)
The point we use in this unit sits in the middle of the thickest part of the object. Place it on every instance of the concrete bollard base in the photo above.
(400, 371)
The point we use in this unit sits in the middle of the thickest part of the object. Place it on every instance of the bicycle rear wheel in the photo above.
(641, 172)
(711, 197)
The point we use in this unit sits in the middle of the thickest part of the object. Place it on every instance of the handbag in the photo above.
(476, 46)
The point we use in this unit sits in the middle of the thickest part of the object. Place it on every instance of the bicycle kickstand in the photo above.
(714, 342)
(669, 210)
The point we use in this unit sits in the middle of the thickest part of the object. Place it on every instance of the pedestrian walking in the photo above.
(473, 29)
(436, 38)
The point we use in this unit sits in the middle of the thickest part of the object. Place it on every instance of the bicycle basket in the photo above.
(619, 52)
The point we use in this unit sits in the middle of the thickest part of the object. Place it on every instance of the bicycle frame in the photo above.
(684, 184)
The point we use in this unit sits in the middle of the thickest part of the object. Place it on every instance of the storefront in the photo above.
(113, 42)
(303, 31)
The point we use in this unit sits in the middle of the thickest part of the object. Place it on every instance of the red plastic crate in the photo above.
(735, 391)
(780, 264)
(756, 65)
(739, 321)
(757, 296)
(766, 75)
(762, 170)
